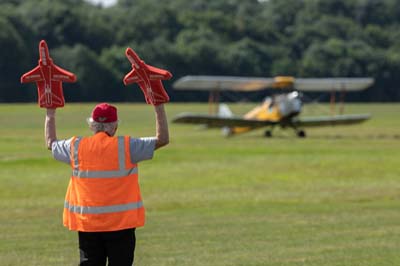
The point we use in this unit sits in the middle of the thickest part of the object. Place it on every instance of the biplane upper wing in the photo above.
(233, 83)
(330, 120)
(208, 83)
(217, 121)
(329, 84)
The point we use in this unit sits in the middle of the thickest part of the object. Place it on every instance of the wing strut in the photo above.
(333, 100)
(342, 96)
(213, 100)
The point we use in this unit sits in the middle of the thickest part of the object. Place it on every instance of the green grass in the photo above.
(331, 199)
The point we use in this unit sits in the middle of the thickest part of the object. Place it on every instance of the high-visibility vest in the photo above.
(103, 193)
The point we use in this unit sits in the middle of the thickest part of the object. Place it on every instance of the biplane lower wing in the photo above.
(217, 121)
(330, 120)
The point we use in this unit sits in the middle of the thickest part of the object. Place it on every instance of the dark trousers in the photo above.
(97, 247)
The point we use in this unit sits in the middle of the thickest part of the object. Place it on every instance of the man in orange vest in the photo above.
(103, 201)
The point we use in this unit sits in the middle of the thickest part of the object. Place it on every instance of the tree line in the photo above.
(303, 38)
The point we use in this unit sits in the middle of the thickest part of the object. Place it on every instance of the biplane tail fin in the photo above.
(225, 112)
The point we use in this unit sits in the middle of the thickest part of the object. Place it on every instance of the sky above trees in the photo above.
(105, 3)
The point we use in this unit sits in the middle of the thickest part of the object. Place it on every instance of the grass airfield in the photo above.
(330, 199)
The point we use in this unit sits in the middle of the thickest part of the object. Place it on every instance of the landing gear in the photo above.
(301, 133)
(268, 133)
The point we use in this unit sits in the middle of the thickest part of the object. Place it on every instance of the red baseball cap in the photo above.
(104, 113)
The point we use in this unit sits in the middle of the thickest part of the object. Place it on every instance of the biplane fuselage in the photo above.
(277, 109)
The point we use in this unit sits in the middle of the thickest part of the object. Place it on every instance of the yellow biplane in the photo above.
(278, 110)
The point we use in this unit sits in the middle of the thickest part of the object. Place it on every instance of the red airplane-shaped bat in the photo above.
(48, 78)
(148, 77)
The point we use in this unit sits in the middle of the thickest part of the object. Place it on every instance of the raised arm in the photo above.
(50, 127)
(162, 133)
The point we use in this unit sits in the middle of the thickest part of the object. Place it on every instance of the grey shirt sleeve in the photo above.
(142, 148)
(61, 150)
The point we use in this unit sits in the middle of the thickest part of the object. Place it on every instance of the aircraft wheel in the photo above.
(268, 134)
(301, 134)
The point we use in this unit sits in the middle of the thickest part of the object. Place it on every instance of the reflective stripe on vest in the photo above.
(103, 209)
(121, 172)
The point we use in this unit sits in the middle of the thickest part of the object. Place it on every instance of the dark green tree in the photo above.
(95, 81)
